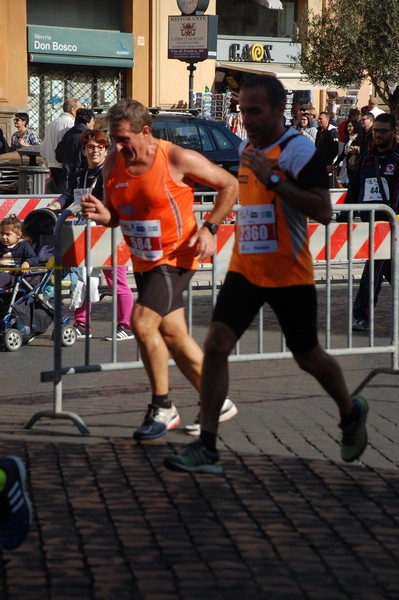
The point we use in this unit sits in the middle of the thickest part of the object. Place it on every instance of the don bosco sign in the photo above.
(259, 53)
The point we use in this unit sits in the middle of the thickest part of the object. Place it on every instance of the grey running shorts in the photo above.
(161, 289)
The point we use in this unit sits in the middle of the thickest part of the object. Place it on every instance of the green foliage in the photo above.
(352, 40)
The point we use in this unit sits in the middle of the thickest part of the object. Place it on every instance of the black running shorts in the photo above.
(161, 289)
(239, 302)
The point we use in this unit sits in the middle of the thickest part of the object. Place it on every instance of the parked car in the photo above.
(9, 173)
(9, 163)
(189, 130)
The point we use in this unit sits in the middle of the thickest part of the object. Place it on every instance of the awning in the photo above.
(276, 4)
(291, 78)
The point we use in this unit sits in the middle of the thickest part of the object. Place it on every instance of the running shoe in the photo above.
(227, 412)
(360, 325)
(195, 458)
(157, 422)
(122, 334)
(81, 332)
(15, 508)
(354, 436)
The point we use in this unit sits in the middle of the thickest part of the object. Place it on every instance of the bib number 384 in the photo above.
(143, 238)
(257, 229)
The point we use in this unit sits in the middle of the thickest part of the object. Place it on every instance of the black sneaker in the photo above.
(360, 325)
(81, 332)
(15, 508)
(195, 458)
(354, 436)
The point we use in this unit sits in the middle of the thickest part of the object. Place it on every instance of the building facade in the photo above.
(101, 51)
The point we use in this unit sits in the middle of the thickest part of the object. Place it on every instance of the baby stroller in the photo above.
(25, 310)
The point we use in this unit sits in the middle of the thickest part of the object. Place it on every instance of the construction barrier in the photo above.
(22, 205)
(346, 242)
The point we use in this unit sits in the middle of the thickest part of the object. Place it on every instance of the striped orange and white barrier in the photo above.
(20, 206)
(337, 196)
(74, 244)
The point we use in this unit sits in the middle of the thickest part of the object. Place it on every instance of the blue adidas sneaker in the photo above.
(15, 507)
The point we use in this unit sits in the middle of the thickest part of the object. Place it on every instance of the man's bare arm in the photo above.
(188, 164)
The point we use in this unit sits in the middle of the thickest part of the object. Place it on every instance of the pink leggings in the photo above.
(124, 298)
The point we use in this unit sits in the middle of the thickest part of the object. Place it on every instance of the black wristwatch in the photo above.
(212, 227)
(273, 181)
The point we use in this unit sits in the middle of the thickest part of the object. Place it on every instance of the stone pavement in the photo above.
(286, 520)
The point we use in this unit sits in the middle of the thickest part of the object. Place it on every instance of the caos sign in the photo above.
(260, 53)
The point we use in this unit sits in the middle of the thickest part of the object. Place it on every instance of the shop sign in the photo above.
(83, 46)
(256, 49)
(193, 38)
(260, 53)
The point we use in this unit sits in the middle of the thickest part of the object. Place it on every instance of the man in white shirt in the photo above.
(53, 135)
(373, 107)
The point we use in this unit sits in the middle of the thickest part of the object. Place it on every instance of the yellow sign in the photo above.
(257, 52)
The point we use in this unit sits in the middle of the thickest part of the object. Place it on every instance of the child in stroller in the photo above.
(15, 252)
(24, 310)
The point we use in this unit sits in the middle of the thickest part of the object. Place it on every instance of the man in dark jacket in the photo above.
(69, 150)
(366, 187)
(327, 143)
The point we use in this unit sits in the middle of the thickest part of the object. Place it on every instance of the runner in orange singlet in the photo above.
(282, 183)
(150, 195)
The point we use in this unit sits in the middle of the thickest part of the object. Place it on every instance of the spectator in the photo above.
(373, 107)
(3, 143)
(327, 144)
(376, 179)
(305, 127)
(53, 135)
(95, 144)
(349, 155)
(23, 136)
(353, 115)
(69, 151)
(309, 110)
(15, 252)
(366, 138)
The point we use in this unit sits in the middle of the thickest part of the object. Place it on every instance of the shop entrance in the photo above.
(95, 88)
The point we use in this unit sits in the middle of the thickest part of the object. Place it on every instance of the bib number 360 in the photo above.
(257, 229)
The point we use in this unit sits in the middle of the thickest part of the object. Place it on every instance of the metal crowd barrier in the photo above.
(340, 242)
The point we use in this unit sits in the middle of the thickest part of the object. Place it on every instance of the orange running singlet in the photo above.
(271, 246)
(155, 213)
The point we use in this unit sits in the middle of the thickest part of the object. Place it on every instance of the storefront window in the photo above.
(91, 14)
(252, 18)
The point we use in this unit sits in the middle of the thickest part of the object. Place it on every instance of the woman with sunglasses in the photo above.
(95, 144)
(24, 136)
